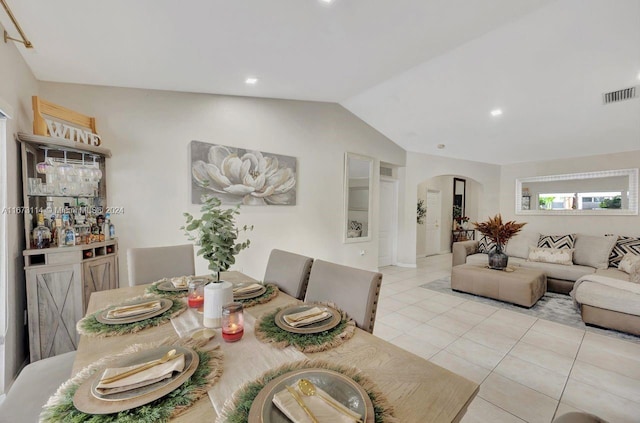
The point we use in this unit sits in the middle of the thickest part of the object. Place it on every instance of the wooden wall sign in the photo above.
(60, 122)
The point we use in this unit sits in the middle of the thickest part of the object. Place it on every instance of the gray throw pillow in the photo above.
(593, 251)
(518, 246)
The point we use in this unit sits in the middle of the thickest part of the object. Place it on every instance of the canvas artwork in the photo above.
(241, 176)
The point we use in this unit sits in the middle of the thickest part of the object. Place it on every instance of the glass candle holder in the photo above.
(232, 322)
(195, 297)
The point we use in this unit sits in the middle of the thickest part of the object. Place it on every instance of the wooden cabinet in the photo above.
(60, 280)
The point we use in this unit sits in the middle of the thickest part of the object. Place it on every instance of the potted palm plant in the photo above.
(217, 236)
(499, 233)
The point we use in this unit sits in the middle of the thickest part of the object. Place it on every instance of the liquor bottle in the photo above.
(41, 234)
(112, 230)
(59, 231)
(69, 232)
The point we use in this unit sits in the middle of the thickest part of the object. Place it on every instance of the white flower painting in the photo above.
(239, 176)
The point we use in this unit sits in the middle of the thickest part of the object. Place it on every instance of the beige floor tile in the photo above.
(382, 312)
(481, 411)
(615, 346)
(405, 298)
(390, 270)
(559, 330)
(491, 339)
(387, 291)
(417, 346)
(611, 382)
(449, 300)
(535, 377)
(407, 284)
(400, 322)
(417, 313)
(475, 353)
(544, 358)
(604, 356)
(433, 306)
(566, 408)
(385, 332)
(478, 308)
(564, 346)
(437, 337)
(390, 304)
(449, 324)
(504, 329)
(460, 366)
(421, 293)
(594, 400)
(512, 318)
(465, 316)
(525, 403)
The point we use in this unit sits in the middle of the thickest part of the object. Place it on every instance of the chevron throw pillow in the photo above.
(485, 245)
(624, 245)
(557, 241)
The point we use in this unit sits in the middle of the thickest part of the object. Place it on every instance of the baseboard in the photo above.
(412, 266)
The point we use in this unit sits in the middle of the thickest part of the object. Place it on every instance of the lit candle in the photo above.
(195, 297)
(232, 322)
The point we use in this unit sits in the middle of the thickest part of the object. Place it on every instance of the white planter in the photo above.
(215, 296)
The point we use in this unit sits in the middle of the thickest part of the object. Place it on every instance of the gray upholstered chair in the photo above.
(289, 271)
(578, 417)
(146, 265)
(33, 387)
(353, 290)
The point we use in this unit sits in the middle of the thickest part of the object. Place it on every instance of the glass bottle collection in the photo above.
(71, 227)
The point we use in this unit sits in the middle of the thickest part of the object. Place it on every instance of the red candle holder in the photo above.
(195, 297)
(232, 322)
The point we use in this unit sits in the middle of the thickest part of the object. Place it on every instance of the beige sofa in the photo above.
(591, 256)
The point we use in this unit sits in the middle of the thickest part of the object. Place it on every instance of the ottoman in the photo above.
(516, 285)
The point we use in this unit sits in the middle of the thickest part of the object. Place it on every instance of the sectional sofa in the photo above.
(607, 296)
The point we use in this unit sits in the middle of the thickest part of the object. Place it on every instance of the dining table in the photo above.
(418, 390)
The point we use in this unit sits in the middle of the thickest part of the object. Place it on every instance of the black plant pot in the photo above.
(498, 260)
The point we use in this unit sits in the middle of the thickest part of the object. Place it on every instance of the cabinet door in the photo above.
(54, 301)
(98, 275)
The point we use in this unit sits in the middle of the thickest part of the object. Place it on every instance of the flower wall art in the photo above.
(240, 176)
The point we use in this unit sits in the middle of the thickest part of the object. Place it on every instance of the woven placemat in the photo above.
(60, 406)
(271, 292)
(237, 409)
(90, 326)
(153, 288)
(267, 331)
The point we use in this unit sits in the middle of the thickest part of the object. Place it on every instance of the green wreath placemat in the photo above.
(90, 326)
(237, 411)
(271, 292)
(153, 288)
(267, 331)
(60, 406)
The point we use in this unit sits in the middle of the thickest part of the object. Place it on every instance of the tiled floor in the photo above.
(528, 369)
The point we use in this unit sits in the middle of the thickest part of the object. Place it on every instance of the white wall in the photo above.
(17, 85)
(149, 133)
(421, 167)
(593, 225)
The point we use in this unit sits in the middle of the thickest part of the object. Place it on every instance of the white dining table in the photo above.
(419, 390)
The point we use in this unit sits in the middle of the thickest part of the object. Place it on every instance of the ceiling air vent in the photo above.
(624, 94)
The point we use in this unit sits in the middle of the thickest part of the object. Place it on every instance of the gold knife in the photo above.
(295, 395)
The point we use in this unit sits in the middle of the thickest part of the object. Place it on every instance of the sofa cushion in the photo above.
(630, 264)
(562, 256)
(518, 246)
(624, 245)
(559, 271)
(557, 241)
(593, 251)
(612, 272)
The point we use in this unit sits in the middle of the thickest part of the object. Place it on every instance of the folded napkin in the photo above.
(180, 282)
(306, 317)
(247, 289)
(322, 411)
(144, 378)
(134, 309)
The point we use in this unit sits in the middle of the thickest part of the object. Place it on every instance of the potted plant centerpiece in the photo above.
(216, 234)
(499, 233)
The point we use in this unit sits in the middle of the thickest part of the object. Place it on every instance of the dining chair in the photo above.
(35, 384)
(146, 265)
(355, 291)
(289, 271)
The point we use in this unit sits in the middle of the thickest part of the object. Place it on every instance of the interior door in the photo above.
(388, 222)
(433, 222)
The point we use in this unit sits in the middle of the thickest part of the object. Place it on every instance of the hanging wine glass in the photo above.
(45, 167)
(96, 169)
(64, 171)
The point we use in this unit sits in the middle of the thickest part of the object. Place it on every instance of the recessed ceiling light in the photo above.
(496, 112)
(326, 1)
(441, 146)
(251, 81)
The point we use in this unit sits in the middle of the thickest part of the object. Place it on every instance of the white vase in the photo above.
(215, 296)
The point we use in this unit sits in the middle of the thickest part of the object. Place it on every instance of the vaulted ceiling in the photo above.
(422, 72)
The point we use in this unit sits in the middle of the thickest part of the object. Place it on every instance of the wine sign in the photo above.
(63, 123)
